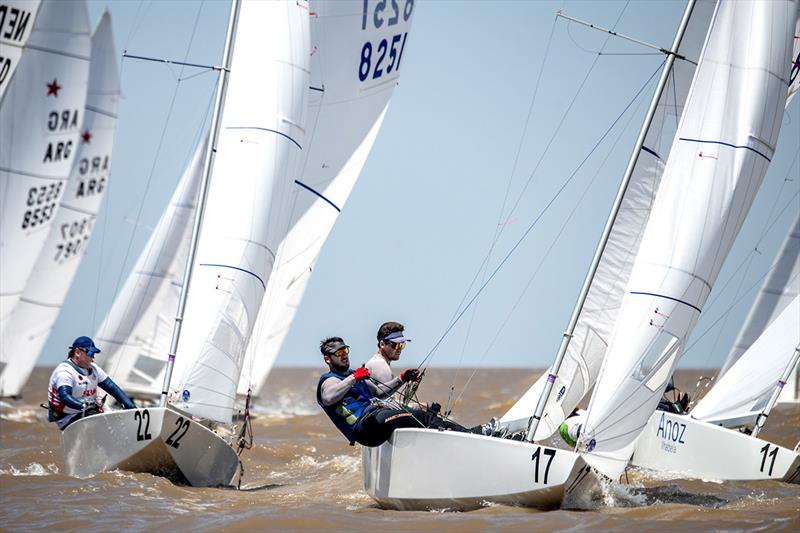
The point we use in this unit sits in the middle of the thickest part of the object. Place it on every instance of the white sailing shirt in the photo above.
(84, 387)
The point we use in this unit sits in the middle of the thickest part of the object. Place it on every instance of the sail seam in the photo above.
(722, 143)
(101, 111)
(32, 175)
(56, 52)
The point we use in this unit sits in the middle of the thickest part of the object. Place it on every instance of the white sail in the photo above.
(725, 141)
(34, 315)
(780, 288)
(135, 334)
(592, 333)
(40, 119)
(257, 161)
(345, 115)
(16, 24)
(741, 394)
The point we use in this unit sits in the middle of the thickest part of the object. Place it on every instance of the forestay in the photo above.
(781, 287)
(40, 120)
(135, 334)
(38, 308)
(592, 333)
(349, 94)
(742, 393)
(258, 155)
(724, 143)
(16, 24)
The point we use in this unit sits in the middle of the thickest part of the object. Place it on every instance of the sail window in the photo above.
(662, 347)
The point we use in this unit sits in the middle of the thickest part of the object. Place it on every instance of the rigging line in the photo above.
(135, 26)
(535, 169)
(150, 175)
(544, 210)
(545, 255)
(721, 291)
(730, 308)
(751, 255)
(483, 268)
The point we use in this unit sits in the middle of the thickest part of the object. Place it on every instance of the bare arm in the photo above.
(384, 390)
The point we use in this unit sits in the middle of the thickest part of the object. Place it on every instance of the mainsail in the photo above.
(38, 308)
(726, 138)
(257, 162)
(40, 120)
(346, 109)
(592, 333)
(20, 15)
(135, 333)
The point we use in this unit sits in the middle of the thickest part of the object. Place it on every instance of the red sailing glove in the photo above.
(411, 374)
(361, 373)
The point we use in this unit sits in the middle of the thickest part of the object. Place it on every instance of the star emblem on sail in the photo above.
(53, 87)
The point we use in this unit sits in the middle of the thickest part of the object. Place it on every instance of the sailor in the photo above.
(678, 404)
(391, 341)
(352, 401)
(72, 394)
(570, 429)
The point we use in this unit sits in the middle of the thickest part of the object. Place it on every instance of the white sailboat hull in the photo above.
(430, 469)
(693, 448)
(158, 440)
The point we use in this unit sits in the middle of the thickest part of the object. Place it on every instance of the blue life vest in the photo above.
(345, 413)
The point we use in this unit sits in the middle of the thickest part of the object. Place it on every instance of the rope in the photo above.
(538, 218)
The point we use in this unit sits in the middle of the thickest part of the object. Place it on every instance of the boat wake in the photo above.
(22, 415)
(33, 469)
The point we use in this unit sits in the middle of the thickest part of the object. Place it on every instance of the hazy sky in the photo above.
(422, 216)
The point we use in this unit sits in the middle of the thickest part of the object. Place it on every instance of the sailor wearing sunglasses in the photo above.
(391, 341)
(354, 403)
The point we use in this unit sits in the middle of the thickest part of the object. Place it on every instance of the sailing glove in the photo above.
(411, 374)
(361, 373)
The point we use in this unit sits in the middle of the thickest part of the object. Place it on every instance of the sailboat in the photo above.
(345, 115)
(41, 114)
(21, 16)
(255, 139)
(38, 308)
(724, 144)
(743, 396)
(137, 329)
(480, 469)
(780, 287)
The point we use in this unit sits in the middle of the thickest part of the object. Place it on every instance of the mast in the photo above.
(762, 416)
(222, 87)
(567, 336)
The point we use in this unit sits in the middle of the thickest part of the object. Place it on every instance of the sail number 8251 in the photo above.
(376, 63)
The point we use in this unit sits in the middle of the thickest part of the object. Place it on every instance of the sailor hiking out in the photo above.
(355, 404)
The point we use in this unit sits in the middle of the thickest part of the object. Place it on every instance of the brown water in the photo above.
(302, 476)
